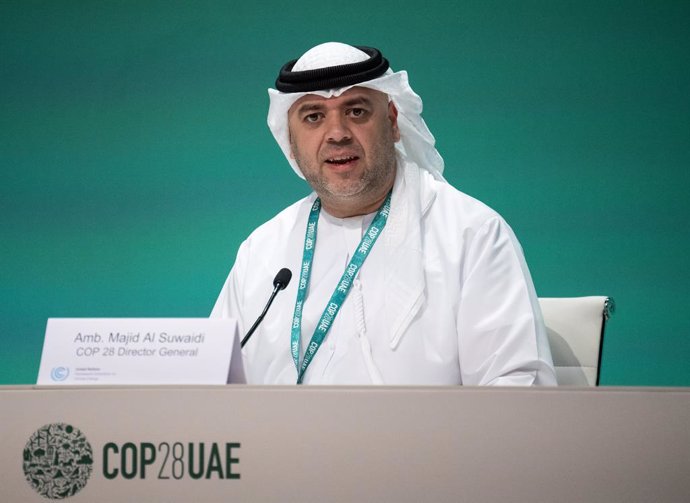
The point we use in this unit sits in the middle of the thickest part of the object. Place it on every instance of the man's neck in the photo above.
(341, 209)
(344, 207)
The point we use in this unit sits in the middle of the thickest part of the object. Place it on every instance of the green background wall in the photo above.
(135, 156)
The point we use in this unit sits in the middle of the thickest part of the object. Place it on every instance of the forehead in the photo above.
(353, 94)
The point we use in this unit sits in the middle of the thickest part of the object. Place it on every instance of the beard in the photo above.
(357, 187)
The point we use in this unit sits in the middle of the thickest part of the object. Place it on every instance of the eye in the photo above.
(358, 112)
(312, 118)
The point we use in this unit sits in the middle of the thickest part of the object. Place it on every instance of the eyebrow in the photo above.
(357, 100)
(309, 107)
(319, 105)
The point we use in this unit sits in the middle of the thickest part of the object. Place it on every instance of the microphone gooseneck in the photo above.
(281, 281)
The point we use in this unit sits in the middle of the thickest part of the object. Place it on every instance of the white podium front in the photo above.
(337, 444)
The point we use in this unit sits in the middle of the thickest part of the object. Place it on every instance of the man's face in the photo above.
(344, 146)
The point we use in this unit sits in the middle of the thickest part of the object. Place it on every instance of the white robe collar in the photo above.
(402, 239)
(404, 280)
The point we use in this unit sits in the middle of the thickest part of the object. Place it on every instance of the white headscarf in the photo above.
(416, 141)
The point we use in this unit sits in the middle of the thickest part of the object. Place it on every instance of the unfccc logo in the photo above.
(57, 461)
(59, 373)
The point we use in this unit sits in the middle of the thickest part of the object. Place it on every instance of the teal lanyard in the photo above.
(341, 291)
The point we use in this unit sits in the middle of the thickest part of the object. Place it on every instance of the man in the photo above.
(400, 278)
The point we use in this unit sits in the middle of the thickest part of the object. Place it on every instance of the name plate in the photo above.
(106, 351)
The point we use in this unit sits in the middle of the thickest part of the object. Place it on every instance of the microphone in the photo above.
(279, 283)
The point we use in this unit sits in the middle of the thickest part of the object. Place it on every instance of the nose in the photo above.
(337, 130)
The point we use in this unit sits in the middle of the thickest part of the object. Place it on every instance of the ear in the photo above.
(393, 117)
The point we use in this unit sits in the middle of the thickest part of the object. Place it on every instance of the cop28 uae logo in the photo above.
(58, 461)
